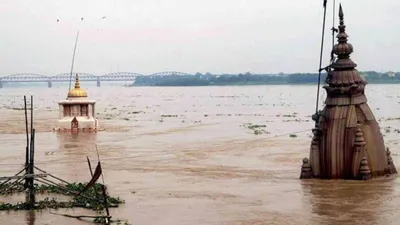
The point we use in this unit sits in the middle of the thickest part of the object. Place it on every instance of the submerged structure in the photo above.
(77, 112)
(347, 141)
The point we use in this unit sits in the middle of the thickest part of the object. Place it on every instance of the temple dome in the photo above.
(77, 92)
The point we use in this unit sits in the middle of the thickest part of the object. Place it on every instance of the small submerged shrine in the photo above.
(77, 112)
(347, 141)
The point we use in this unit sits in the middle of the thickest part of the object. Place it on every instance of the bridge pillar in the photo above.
(49, 84)
(98, 82)
(1, 84)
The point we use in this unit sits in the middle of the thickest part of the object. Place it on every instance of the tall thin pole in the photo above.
(31, 155)
(31, 114)
(333, 23)
(32, 172)
(320, 59)
(73, 59)
(27, 142)
(26, 122)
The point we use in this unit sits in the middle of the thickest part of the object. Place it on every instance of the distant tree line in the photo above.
(209, 79)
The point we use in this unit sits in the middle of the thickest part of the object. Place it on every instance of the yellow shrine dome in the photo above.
(77, 92)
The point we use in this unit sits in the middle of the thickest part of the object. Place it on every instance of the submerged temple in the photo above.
(77, 112)
(347, 141)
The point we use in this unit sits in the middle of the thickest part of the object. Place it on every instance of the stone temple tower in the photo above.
(347, 142)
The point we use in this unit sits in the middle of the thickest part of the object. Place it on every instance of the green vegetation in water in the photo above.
(293, 115)
(257, 128)
(288, 115)
(91, 199)
(295, 120)
(393, 118)
(43, 204)
(169, 115)
(135, 112)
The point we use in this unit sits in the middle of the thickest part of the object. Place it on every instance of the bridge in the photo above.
(65, 77)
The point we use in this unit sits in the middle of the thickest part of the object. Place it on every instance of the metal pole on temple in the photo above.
(320, 62)
(73, 59)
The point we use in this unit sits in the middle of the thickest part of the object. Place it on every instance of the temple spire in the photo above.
(342, 36)
(348, 144)
(343, 49)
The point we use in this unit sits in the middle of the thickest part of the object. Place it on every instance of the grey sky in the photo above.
(148, 36)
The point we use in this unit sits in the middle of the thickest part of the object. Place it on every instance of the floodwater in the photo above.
(184, 155)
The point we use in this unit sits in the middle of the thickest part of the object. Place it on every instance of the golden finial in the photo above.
(77, 91)
(77, 85)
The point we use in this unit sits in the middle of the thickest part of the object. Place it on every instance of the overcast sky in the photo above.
(217, 36)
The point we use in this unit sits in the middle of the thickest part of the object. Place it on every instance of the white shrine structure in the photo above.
(77, 112)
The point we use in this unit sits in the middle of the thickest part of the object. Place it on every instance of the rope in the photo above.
(320, 59)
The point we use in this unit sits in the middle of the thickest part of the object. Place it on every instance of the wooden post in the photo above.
(31, 171)
(31, 114)
(105, 204)
(27, 142)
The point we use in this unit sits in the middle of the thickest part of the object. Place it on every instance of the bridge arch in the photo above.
(171, 73)
(67, 77)
(120, 76)
(21, 77)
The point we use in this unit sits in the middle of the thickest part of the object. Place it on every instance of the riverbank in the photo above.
(253, 79)
(250, 84)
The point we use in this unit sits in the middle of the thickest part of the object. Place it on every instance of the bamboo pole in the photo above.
(10, 178)
(52, 175)
(11, 186)
(27, 142)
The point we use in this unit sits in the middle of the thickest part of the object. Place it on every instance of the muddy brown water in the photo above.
(184, 155)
